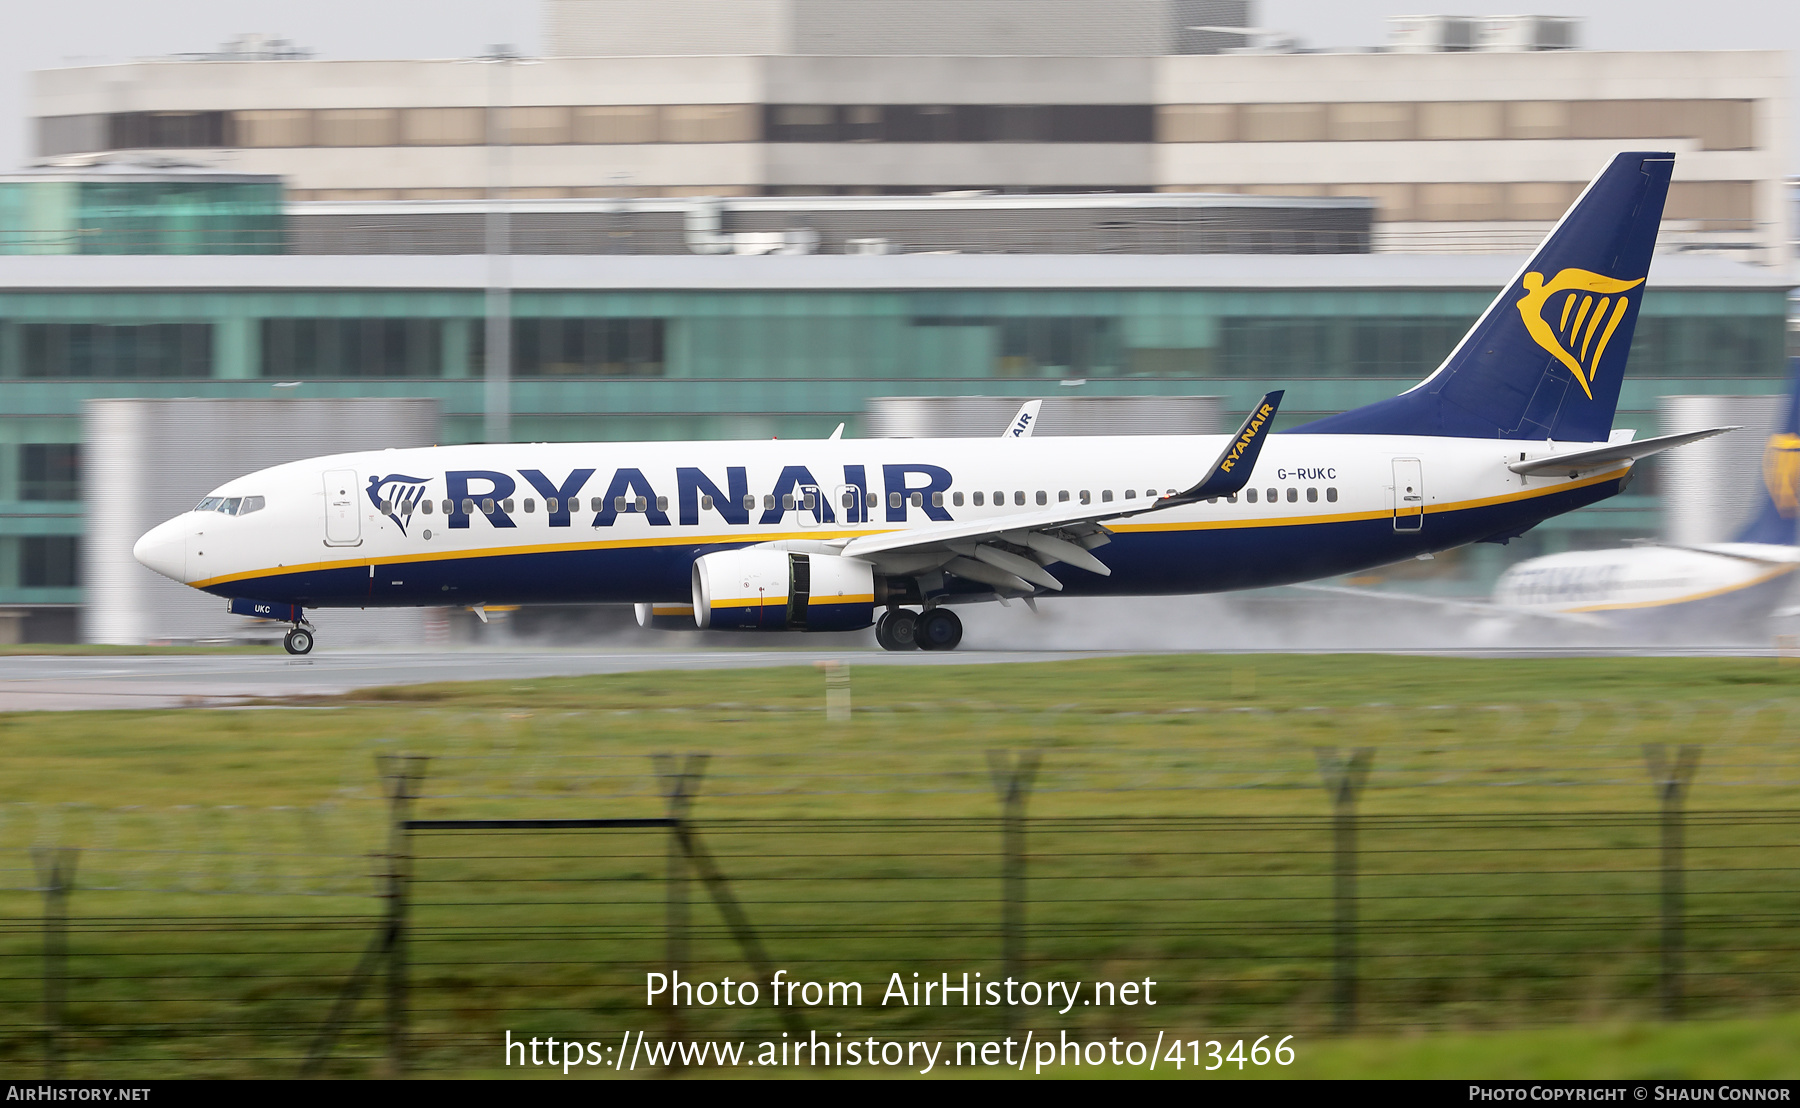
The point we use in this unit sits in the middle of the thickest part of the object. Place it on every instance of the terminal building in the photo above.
(706, 230)
(1461, 148)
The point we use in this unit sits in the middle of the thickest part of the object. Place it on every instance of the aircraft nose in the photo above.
(164, 549)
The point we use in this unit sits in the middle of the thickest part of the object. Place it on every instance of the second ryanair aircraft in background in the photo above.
(1513, 428)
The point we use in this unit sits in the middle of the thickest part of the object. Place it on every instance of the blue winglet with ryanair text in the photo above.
(1231, 471)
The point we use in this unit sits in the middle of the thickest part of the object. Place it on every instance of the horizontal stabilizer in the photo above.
(1600, 457)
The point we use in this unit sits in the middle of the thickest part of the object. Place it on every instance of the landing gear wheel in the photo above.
(897, 630)
(298, 641)
(938, 629)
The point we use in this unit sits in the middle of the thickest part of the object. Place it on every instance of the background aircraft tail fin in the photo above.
(1780, 502)
(1546, 359)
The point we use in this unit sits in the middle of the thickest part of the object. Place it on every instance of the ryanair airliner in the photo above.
(1513, 428)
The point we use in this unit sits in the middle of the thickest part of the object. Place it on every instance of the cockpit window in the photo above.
(231, 505)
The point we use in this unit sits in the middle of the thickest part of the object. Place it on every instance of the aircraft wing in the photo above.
(1473, 607)
(1010, 553)
(1609, 454)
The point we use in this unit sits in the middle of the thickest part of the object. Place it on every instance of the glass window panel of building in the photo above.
(50, 471)
(328, 347)
(55, 350)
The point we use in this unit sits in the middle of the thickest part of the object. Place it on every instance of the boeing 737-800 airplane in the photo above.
(1514, 427)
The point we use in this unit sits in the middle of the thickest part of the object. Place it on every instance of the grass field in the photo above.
(1179, 830)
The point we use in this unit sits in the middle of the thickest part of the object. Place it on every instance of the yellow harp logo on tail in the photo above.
(1781, 473)
(1583, 314)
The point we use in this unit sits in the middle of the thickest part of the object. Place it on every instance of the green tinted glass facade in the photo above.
(141, 217)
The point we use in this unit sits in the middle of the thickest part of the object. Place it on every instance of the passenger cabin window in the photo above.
(1131, 494)
(1331, 496)
(487, 505)
(999, 499)
(1312, 496)
(1087, 497)
(662, 503)
(979, 499)
(937, 500)
(595, 503)
(1293, 495)
(873, 500)
(1232, 499)
(1274, 495)
(1106, 496)
(468, 507)
(787, 503)
(768, 501)
(956, 499)
(1250, 495)
(893, 500)
(705, 503)
(1019, 497)
(530, 505)
(507, 505)
(918, 499)
(425, 507)
(1042, 498)
(850, 499)
(450, 507)
(749, 501)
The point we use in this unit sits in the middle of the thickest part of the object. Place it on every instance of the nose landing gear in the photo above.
(298, 641)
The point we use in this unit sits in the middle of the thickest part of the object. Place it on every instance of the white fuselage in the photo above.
(1323, 504)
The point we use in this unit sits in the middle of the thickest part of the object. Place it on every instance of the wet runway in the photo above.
(47, 683)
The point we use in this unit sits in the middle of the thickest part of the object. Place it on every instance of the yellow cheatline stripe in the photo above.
(752, 602)
(758, 601)
(817, 534)
(820, 534)
(1708, 594)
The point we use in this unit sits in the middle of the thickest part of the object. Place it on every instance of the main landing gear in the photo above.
(298, 641)
(933, 629)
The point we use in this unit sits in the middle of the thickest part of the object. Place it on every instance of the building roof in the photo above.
(827, 272)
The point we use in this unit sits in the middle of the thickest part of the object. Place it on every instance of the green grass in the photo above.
(1180, 832)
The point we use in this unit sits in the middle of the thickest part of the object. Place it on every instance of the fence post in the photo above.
(680, 783)
(1671, 781)
(1344, 780)
(837, 691)
(401, 775)
(56, 875)
(1012, 781)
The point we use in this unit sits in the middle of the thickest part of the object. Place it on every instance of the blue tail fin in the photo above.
(1546, 359)
(1774, 522)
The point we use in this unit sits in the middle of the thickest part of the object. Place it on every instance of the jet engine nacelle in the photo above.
(776, 590)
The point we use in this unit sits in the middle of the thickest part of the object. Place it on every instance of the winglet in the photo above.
(1023, 423)
(1231, 471)
(837, 434)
